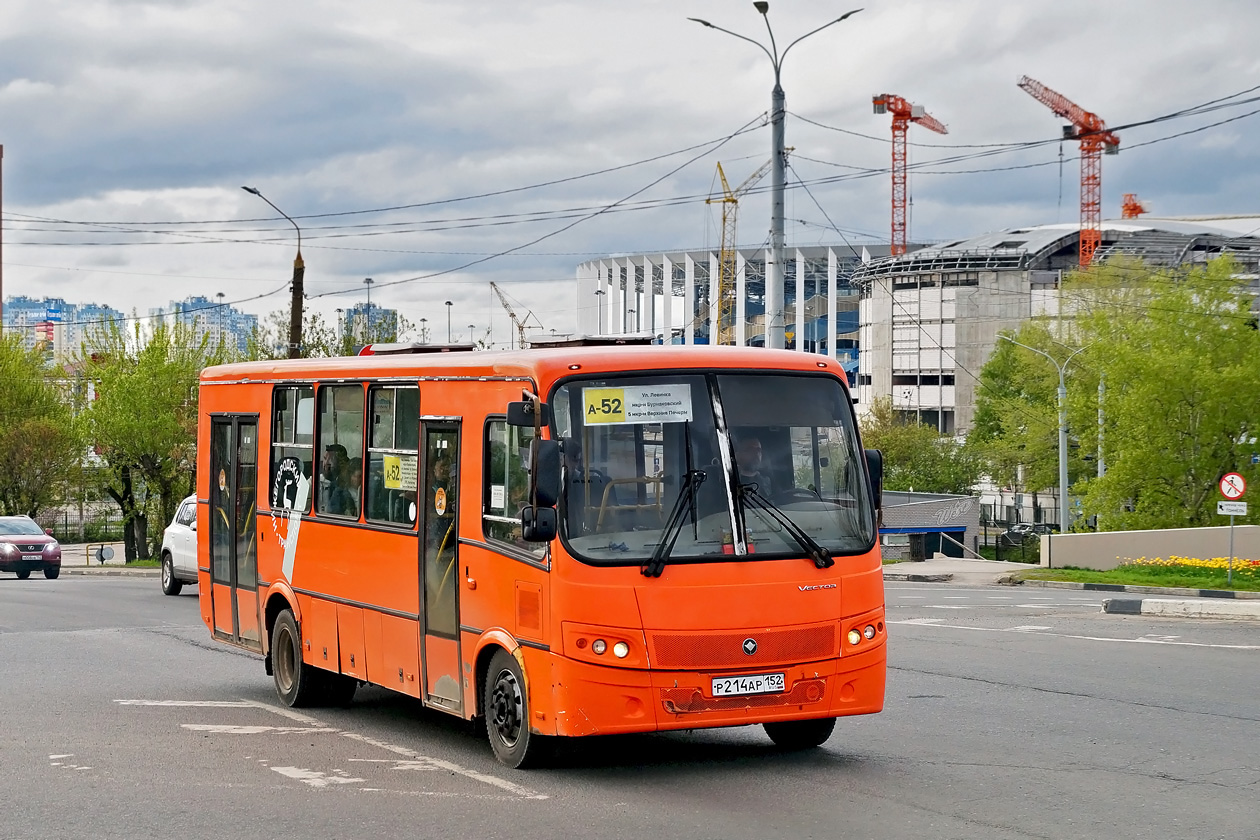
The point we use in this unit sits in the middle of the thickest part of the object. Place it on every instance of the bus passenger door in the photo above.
(233, 530)
(439, 564)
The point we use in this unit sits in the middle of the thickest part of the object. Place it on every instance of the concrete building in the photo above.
(59, 327)
(929, 319)
(367, 322)
(670, 295)
(224, 324)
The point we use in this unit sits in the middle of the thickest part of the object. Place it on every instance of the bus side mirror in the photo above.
(538, 524)
(521, 413)
(875, 468)
(544, 472)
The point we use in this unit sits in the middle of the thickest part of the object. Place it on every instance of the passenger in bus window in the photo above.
(335, 498)
(750, 463)
(355, 486)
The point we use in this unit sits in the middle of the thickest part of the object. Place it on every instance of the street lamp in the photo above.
(471, 339)
(774, 270)
(424, 331)
(1063, 470)
(448, 321)
(299, 271)
(599, 311)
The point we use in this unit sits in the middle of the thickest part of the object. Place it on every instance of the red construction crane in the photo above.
(903, 113)
(1132, 208)
(1091, 131)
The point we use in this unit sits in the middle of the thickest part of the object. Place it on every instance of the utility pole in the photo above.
(299, 271)
(775, 326)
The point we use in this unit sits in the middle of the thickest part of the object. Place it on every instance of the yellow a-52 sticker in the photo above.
(660, 403)
(604, 405)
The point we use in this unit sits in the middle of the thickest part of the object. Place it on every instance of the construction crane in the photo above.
(1095, 139)
(726, 252)
(521, 324)
(903, 113)
(1132, 208)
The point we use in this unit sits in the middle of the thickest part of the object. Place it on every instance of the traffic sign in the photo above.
(1231, 508)
(1233, 485)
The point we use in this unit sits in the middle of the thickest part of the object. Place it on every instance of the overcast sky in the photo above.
(129, 127)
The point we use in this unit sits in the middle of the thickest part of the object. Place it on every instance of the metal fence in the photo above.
(92, 526)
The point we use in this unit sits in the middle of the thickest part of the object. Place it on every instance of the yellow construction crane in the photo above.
(726, 253)
(521, 324)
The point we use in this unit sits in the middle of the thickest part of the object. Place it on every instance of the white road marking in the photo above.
(930, 622)
(315, 778)
(999, 597)
(947, 606)
(61, 755)
(416, 761)
(209, 704)
(231, 729)
(1156, 637)
(957, 597)
(449, 766)
(1029, 628)
(912, 597)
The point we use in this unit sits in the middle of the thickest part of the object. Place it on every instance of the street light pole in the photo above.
(599, 311)
(220, 296)
(1063, 469)
(448, 321)
(775, 325)
(299, 271)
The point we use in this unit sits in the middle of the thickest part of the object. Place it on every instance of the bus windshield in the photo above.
(725, 457)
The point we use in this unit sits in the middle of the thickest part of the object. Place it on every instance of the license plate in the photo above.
(750, 684)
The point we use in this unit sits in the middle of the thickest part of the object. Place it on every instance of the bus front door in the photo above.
(233, 530)
(439, 563)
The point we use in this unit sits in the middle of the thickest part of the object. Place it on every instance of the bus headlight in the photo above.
(621, 650)
(869, 632)
(855, 636)
(599, 646)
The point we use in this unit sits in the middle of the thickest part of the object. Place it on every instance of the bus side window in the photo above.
(292, 447)
(506, 487)
(392, 464)
(341, 440)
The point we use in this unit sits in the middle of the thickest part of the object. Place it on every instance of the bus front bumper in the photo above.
(597, 700)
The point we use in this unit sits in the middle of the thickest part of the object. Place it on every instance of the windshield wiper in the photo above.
(816, 552)
(691, 481)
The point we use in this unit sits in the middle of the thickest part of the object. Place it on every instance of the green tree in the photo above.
(41, 443)
(1179, 353)
(916, 456)
(144, 421)
(320, 339)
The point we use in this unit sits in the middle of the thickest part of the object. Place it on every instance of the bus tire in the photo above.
(170, 586)
(507, 714)
(297, 684)
(800, 734)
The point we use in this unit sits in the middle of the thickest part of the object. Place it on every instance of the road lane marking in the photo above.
(1029, 628)
(450, 766)
(232, 729)
(317, 779)
(936, 622)
(209, 704)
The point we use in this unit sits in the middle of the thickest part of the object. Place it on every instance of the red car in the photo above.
(25, 547)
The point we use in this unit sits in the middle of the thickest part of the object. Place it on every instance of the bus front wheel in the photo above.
(800, 734)
(507, 714)
(296, 682)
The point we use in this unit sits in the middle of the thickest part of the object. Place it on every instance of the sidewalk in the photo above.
(1194, 603)
(80, 559)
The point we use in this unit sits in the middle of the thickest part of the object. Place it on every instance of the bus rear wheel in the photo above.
(507, 714)
(800, 734)
(297, 683)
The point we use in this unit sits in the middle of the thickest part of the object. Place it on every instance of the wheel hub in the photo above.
(506, 708)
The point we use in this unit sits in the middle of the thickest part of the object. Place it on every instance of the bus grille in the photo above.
(726, 649)
(679, 701)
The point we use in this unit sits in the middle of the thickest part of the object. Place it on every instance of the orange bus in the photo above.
(564, 541)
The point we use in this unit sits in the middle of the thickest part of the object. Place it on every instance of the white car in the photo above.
(179, 548)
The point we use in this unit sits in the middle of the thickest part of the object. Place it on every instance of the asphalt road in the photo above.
(1010, 713)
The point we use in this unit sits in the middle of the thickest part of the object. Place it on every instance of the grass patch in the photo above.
(1185, 577)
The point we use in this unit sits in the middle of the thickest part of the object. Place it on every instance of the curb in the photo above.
(1225, 594)
(918, 578)
(87, 571)
(1169, 608)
